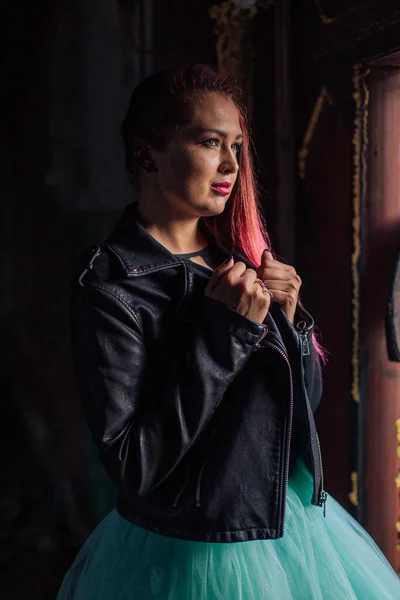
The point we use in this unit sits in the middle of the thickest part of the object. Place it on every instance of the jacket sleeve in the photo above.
(145, 410)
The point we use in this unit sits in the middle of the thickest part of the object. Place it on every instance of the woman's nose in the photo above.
(229, 165)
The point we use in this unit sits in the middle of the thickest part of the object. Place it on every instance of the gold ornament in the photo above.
(233, 27)
(360, 143)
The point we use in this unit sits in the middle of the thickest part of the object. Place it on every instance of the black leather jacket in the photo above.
(196, 410)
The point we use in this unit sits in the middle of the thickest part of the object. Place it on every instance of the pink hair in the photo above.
(242, 225)
(162, 102)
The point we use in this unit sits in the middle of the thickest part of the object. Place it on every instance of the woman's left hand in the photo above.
(282, 280)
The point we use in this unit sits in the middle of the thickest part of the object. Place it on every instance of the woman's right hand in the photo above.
(236, 285)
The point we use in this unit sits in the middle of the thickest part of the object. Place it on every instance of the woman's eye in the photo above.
(211, 143)
(214, 143)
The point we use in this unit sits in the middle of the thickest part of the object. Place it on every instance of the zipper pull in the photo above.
(94, 252)
(262, 337)
(305, 346)
(322, 501)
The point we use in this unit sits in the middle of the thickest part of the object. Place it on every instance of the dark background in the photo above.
(68, 71)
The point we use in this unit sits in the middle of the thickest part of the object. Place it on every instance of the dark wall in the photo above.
(68, 71)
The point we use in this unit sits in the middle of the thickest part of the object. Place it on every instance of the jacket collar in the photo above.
(139, 253)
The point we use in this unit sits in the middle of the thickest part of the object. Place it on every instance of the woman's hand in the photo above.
(235, 285)
(282, 280)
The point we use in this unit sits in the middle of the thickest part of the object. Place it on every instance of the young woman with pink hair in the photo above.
(199, 374)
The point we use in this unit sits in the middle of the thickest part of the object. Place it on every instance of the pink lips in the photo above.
(222, 188)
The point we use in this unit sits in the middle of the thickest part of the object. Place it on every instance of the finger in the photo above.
(218, 273)
(248, 274)
(232, 272)
(261, 292)
(252, 283)
(240, 268)
(242, 277)
(283, 297)
(287, 303)
(267, 260)
(266, 290)
(267, 255)
(280, 265)
(276, 272)
(281, 284)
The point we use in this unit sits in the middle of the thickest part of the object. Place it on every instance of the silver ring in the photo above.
(264, 287)
(260, 281)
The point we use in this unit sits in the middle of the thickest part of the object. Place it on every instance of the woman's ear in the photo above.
(146, 160)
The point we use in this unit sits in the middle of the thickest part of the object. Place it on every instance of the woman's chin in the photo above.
(214, 207)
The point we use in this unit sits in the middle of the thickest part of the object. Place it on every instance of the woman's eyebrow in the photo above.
(223, 134)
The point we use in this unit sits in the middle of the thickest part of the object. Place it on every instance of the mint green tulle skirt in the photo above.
(331, 558)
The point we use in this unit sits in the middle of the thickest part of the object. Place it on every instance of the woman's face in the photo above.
(197, 171)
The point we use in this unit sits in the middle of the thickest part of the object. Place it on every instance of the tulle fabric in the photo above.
(318, 558)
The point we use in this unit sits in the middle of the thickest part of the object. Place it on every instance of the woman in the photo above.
(199, 374)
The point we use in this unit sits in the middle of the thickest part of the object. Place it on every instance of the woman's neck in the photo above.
(178, 235)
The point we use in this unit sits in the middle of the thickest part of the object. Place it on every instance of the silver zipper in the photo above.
(303, 333)
(305, 351)
(289, 432)
(262, 337)
(323, 495)
(95, 251)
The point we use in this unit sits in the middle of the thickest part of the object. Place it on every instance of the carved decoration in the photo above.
(331, 11)
(353, 496)
(316, 113)
(233, 28)
(324, 18)
(360, 143)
